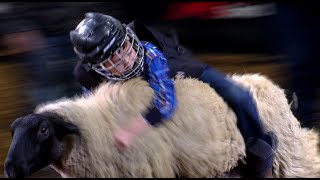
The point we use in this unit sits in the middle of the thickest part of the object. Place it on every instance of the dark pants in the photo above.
(260, 145)
(239, 99)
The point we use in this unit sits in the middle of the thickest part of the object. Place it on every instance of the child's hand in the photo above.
(124, 137)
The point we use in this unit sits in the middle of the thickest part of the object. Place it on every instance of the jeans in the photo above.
(239, 99)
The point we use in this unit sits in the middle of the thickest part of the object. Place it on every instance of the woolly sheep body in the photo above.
(201, 139)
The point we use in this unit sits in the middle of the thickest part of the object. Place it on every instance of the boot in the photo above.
(260, 156)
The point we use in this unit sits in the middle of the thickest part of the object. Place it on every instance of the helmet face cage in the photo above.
(129, 50)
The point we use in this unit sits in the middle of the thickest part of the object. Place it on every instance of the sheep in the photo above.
(75, 135)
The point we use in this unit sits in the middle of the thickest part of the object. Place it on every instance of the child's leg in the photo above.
(238, 99)
(260, 145)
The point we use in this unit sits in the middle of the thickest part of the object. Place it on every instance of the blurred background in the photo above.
(280, 40)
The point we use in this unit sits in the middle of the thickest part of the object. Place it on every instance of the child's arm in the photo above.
(164, 103)
(165, 98)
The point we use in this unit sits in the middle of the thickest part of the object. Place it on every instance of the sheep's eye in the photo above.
(44, 130)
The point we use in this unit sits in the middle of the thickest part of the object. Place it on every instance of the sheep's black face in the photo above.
(37, 141)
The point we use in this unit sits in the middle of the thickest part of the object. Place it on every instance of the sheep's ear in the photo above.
(61, 127)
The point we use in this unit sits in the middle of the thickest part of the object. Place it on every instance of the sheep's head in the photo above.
(37, 140)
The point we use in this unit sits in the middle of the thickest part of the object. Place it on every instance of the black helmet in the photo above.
(98, 36)
(94, 33)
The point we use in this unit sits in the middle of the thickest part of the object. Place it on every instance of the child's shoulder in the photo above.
(149, 44)
(151, 50)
